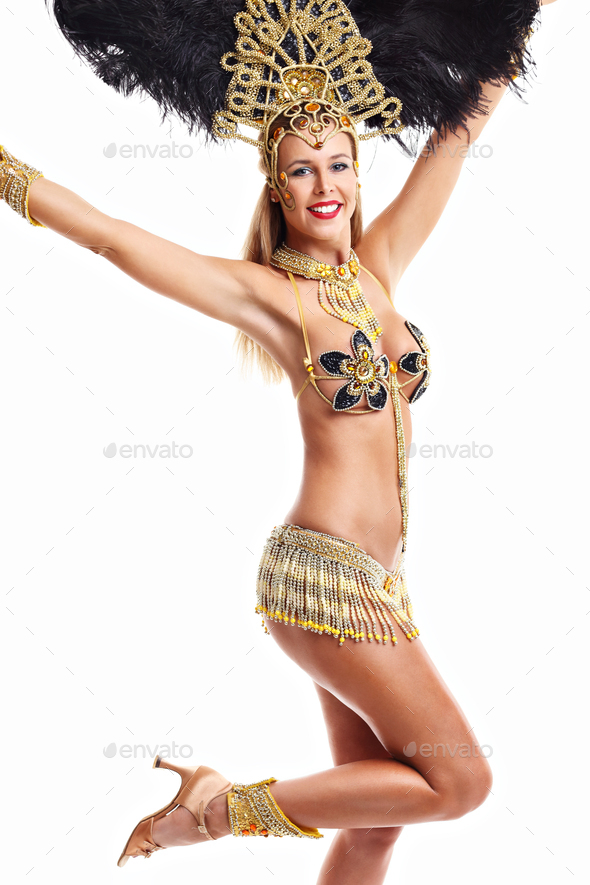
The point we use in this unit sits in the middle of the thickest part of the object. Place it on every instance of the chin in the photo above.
(322, 229)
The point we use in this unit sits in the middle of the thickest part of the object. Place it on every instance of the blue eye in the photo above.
(303, 168)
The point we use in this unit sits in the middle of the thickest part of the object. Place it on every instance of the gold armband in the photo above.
(16, 179)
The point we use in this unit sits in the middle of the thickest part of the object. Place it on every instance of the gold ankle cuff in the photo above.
(253, 811)
(16, 179)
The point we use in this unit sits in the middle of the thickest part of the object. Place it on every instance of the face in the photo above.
(324, 179)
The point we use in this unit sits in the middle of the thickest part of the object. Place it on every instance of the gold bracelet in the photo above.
(16, 179)
(253, 811)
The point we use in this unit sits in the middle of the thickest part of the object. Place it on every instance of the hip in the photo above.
(329, 584)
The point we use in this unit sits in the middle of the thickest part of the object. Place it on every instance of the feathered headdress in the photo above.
(401, 66)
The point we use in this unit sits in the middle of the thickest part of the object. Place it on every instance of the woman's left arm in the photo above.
(406, 223)
(398, 233)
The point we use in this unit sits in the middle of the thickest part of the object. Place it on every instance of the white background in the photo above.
(129, 584)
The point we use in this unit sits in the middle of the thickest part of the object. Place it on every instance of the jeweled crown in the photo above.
(306, 60)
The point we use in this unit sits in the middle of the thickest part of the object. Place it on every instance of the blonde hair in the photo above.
(267, 231)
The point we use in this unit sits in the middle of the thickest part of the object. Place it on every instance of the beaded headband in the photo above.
(307, 66)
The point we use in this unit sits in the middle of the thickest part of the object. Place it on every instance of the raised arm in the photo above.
(221, 288)
(397, 234)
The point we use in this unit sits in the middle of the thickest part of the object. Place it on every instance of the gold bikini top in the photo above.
(364, 373)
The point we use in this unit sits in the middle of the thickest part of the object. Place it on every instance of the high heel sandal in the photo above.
(199, 786)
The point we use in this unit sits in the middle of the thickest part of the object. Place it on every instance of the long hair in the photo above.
(267, 231)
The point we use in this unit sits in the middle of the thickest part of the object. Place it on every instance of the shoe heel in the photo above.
(184, 772)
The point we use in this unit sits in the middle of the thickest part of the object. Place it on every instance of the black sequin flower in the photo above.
(364, 374)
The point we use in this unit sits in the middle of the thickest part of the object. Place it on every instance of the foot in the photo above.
(180, 826)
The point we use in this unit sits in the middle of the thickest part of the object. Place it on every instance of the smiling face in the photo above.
(323, 184)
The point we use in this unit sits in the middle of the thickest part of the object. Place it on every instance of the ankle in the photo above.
(217, 818)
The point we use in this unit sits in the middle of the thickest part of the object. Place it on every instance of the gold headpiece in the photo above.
(330, 81)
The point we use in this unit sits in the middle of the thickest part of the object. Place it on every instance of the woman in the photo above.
(351, 473)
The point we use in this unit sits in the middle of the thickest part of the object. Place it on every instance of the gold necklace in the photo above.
(339, 291)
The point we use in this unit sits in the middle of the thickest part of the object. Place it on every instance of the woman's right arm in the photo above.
(221, 288)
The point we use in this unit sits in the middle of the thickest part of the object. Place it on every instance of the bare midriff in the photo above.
(350, 485)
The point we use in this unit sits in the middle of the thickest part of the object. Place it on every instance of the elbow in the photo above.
(104, 237)
(105, 251)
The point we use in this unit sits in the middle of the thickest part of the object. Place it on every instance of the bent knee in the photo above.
(466, 797)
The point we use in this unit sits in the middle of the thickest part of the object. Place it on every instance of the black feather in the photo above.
(432, 54)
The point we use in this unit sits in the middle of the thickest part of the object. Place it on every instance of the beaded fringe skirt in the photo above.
(330, 585)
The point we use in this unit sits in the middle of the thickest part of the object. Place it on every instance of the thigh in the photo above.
(349, 736)
(400, 696)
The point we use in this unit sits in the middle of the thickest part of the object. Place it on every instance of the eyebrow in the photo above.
(306, 162)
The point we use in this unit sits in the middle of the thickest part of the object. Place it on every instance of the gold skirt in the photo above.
(330, 585)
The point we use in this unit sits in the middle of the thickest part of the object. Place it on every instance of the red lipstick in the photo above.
(326, 215)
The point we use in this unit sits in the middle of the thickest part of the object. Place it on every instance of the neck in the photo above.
(333, 251)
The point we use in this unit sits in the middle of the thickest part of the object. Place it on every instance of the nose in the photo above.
(323, 184)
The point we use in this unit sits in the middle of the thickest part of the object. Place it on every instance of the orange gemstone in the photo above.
(264, 832)
(282, 176)
(318, 145)
(246, 832)
(303, 123)
(288, 195)
(277, 132)
(345, 121)
(253, 827)
(341, 271)
(312, 106)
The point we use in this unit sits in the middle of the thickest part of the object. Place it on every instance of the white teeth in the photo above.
(324, 209)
